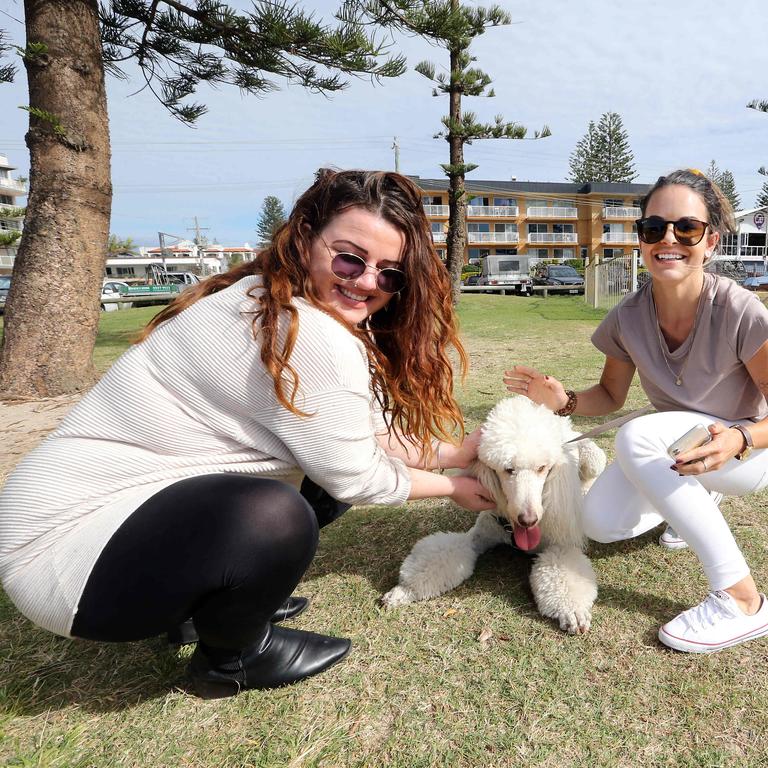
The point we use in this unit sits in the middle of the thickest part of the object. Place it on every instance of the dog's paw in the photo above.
(397, 596)
(576, 622)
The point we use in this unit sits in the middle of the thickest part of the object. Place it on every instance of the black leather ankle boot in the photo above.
(285, 656)
(186, 634)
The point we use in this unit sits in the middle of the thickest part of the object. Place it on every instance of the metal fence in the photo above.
(614, 281)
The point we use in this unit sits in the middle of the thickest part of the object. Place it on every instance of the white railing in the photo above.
(439, 237)
(619, 237)
(436, 210)
(613, 280)
(552, 237)
(6, 225)
(492, 210)
(542, 212)
(616, 212)
(748, 251)
(14, 184)
(492, 237)
(6, 259)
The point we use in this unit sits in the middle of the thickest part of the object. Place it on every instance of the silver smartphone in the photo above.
(694, 438)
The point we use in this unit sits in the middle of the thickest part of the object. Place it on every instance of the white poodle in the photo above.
(538, 482)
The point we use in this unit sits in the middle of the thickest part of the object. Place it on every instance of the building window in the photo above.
(537, 228)
(478, 253)
(432, 200)
(478, 226)
(480, 201)
(563, 229)
(613, 253)
(562, 253)
(538, 253)
(506, 252)
(613, 202)
(6, 200)
(438, 226)
(505, 201)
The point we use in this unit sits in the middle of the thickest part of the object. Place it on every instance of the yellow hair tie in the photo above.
(695, 172)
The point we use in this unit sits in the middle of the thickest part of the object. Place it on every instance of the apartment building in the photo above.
(545, 220)
(10, 189)
(749, 243)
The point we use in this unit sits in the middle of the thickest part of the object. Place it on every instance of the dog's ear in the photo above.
(562, 500)
(490, 480)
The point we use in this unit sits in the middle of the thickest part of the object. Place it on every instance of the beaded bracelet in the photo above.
(570, 406)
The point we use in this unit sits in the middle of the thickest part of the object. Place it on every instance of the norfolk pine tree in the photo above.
(271, 217)
(727, 185)
(582, 160)
(49, 335)
(603, 154)
(762, 196)
(453, 26)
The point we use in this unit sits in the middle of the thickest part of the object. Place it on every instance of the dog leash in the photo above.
(612, 424)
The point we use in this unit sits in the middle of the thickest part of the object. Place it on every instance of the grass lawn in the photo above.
(419, 688)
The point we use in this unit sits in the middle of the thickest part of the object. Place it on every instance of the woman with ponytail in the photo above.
(186, 488)
(699, 344)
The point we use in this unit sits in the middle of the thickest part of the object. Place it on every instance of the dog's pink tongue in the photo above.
(527, 538)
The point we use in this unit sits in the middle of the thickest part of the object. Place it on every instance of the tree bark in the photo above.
(52, 312)
(457, 200)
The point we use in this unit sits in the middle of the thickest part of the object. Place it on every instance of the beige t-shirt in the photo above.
(732, 326)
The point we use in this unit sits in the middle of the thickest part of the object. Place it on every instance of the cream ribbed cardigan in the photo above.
(192, 399)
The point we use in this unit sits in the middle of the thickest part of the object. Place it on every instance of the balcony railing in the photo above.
(439, 237)
(552, 237)
(619, 237)
(436, 210)
(745, 251)
(545, 212)
(492, 237)
(19, 187)
(616, 212)
(492, 210)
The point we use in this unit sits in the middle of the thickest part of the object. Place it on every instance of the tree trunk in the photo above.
(52, 313)
(457, 200)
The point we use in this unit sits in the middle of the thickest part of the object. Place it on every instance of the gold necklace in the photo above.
(678, 377)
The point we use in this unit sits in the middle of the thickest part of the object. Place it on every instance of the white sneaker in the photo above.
(715, 623)
(670, 539)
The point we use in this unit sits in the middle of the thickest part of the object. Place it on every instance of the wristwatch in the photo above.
(748, 444)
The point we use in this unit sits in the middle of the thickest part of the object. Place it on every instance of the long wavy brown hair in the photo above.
(408, 341)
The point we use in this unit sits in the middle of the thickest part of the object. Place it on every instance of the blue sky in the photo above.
(679, 73)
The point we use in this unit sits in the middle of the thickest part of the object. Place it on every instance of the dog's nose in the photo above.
(527, 519)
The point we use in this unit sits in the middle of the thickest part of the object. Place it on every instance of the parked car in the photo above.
(756, 283)
(112, 289)
(472, 279)
(559, 274)
(5, 286)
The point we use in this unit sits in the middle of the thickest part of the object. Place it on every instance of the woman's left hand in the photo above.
(461, 456)
(723, 446)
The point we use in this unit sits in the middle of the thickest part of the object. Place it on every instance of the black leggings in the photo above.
(225, 549)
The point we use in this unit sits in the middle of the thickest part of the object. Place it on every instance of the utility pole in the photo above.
(396, 147)
(198, 244)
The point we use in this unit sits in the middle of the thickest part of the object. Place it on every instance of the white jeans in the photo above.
(639, 491)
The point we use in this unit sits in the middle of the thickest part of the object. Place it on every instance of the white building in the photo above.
(184, 256)
(10, 189)
(749, 244)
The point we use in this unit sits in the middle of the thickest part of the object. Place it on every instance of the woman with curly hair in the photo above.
(172, 489)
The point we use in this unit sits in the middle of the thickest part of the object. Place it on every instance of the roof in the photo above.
(541, 187)
(749, 211)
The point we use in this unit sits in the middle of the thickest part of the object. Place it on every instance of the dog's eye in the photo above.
(510, 470)
(541, 470)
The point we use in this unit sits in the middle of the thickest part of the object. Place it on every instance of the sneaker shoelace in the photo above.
(710, 611)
